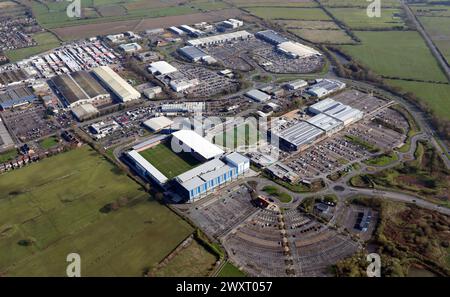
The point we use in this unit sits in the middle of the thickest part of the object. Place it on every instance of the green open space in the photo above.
(357, 3)
(229, 270)
(383, 159)
(278, 193)
(436, 96)
(314, 25)
(396, 54)
(59, 206)
(288, 13)
(439, 30)
(323, 36)
(167, 162)
(270, 3)
(356, 18)
(192, 261)
(8, 155)
(49, 142)
(45, 41)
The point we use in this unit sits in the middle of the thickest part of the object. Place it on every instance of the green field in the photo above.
(8, 155)
(383, 160)
(229, 270)
(397, 54)
(288, 13)
(276, 192)
(193, 261)
(435, 95)
(57, 207)
(169, 163)
(323, 36)
(49, 142)
(356, 18)
(357, 3)
(316, 25)
(243, 135)
(270, 3)
(45, 40)
(439, 30)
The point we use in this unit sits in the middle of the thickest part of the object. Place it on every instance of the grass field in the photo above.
(357, 3)
(49, 142)
(193, 261)
(323, 36)
(316, 25)
(396, 54)
(56, 205)
(276, 192)
(8, 155)
(435, 95)
(269, 3)
(229, 270)
(382, 160)
(439, 30)
(288, 13)
(169, 163)
(45, 40)
(356, 18)
(243, 135)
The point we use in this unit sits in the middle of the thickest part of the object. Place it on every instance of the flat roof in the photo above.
(324, 122)
(272, 36)
(89, 84)
(117, 84)
(155, 173)
(158, 123)
(5, 139)
(237, 158)
(301, 133)
(150, 141)
(258, 95)
(199, 144)
(192, 52)
(162, 67)
(298, 49)
(219, 38)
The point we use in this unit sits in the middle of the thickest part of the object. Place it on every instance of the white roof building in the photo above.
(147, 169)
(337, 110)
(130, 47)
(158, 124)
(297, 84)
(117, 84)
(297, 50)
(328, 124)
(216, 39)
(258, 96)
(161, 67)
(190, 141)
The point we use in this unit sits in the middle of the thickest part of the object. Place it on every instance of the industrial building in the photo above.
(191, 31)
(80, 88)
(326, 123)
(151, 92)
(123, 90)
(176, 30)
(297, 84)
(203, 179)
(130, 47)
(326, 87)
(13, 77)
(195, 54)
(185, 107)
(222, 38)
(298, 136)
(337, 110)
(180, 85)
(191, 142)
(161, 68)
(16, 97)
(158, 124)
(232, 23)
(84, 112)
(145, 169)
(282, 172)
(271, 37)
(258, 95)
(297, 50)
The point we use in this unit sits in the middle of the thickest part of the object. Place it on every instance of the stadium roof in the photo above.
(324, 122)
(116, 83)
(155, 173)
(196, 177)
(161, 67)
(198, 144)
(301, 133)
(157, 124)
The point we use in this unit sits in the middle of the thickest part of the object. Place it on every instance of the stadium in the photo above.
(186, 162)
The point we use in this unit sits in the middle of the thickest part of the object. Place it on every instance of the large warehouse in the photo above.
(222, 38)
(80, 88)
(298, 136)
(337, 110)
(271, 36)
(16, 97)
(161, 67)
(123, 90)
(326, 87)
(326, 123)
(297, 50)
(191, 142)
(201, 180)
(193, 53)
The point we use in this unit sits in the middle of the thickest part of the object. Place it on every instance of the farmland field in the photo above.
(287, 13)
(435, 95)
(356, 18)
(283, 3)
(59, 206)
(316, 25)
(357, 3)
(396, 54)
(45, 40)
(323, 36)
(169, 163)
(439, 30)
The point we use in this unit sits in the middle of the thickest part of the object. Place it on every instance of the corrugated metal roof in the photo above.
(324, 122)
(116, 83)
(197, 143)
(301, 133)
(155, 173)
